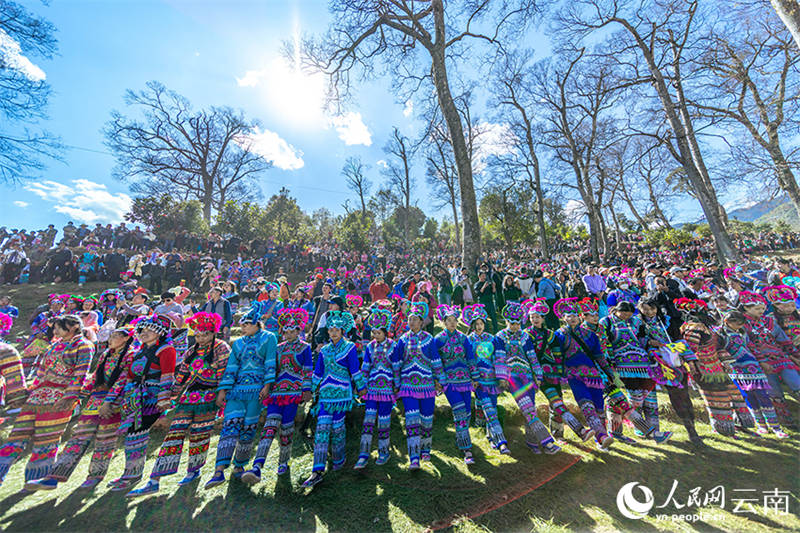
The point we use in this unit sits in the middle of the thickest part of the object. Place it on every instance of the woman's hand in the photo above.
(221, 395)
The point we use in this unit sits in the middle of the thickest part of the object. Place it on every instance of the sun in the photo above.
(293, 94)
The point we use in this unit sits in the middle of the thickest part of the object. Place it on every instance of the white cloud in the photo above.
(492, 139)
(11, 56)
(251, 78)
(20, 203)
(575, 212)
(408, 109)
(351, 129)
(382, 163)
(273, 148)
(85, 200)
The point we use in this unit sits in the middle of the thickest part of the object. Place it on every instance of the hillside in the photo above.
(766, 211)
(785, 212)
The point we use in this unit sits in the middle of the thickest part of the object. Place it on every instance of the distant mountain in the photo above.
(758, 210)
(785, 212)
(769, 211)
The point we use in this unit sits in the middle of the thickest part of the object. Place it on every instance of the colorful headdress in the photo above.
(780, 294)
(566, 306)
(751, 298)
(5, 323)
(354, 300)
(127, 273)
(292, 319)
(161, 324)
(513, 312)
(379, 318)
(203, 321)
(443, 311)
(588, 306)
(690, 305)
(341, 320)
(538, 307)
(270, 286)
(58, 298)
(471, 313)
(116, 293)
(251, 316)
(418, 309)
(382, 304)
(791, 281)
(527, 304)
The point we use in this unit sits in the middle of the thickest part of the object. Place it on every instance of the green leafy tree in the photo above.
(354, 231)
(283, 220)
(507, 215)
(164, 214)
(242, 219)
(413, 219)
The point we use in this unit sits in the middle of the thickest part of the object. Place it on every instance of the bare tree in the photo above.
(354, 174)
(751, 80)
(203, 155)
(442, 175)
(575, 107)
(420, 41)
(23, 91)
(655, 32)
(514, 92)
(398, 173)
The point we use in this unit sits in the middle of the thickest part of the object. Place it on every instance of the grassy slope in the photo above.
(379, 499)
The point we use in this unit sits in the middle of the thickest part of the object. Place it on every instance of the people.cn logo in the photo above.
(629, 506)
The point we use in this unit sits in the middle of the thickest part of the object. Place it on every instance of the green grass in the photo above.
(390, 498)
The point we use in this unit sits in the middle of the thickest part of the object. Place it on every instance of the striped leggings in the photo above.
(43, 426)
(90, 427)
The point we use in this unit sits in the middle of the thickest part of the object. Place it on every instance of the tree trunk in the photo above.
(618, 232)
(454, 205)
(471, 243)
(537, 188)
(694, 146)
(789, 12)
(708, 199)
(207, 200)
(657, 212)
(601, 222)
(632, 207)
(786, 179)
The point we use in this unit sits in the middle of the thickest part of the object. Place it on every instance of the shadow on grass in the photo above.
(391, 498)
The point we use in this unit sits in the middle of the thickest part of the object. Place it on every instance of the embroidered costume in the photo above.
(458, 363)
(745, 371)
(291, 381)
(335, 372)
(251, 365)
(516, 365)
(420, 366)
(718, 391)
(91, 426)
(13, 377)
(487, 390)
(61, 376)
(143, 392)
(551, 359)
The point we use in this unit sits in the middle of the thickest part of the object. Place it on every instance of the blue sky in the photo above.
(214, 53)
